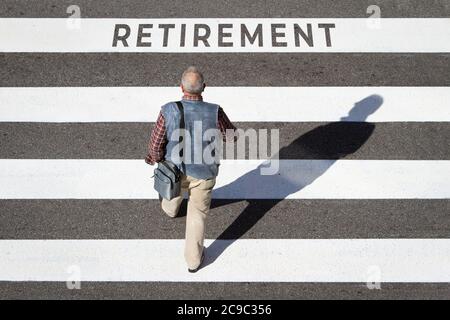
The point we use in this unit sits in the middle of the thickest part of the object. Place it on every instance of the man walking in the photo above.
(198, 178)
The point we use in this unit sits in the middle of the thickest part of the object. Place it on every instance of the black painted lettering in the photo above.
(142, 34)
(224, 35)
(123, 37)
(276, 34)
(183, 35)
(203, 38)
(166, 28)
(298, 32)
(251, 38)
(327, 27)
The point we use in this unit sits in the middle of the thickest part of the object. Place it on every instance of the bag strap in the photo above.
(181, 109)
(182, 139)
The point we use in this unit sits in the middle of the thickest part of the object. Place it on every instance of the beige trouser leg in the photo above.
(171, 207)
(198, 206)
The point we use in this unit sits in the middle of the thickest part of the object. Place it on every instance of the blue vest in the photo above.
(200, 117)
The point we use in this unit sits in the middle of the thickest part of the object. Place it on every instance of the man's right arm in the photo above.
(158, 141)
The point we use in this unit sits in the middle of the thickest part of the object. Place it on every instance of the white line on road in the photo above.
(225, 35)
(248, 260)
(238, 179)
(268, 104)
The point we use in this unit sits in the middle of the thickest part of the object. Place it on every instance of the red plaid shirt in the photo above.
(158, 139)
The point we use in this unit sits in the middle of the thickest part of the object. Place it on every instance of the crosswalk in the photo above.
(294, 104)
(318, 260)
(295, 179)
(225, 35)
(362, 192)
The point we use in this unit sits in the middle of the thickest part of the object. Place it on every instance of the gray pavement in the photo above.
(226, 9)
(224, 69)
(389, 141)
(244, 291)
(229, 219)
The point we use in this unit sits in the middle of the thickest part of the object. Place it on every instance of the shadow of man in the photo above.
(332, 141)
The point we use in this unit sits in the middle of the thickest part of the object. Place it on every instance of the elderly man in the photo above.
(198, 178)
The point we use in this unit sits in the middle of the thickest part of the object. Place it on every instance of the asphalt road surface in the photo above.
(379, 229)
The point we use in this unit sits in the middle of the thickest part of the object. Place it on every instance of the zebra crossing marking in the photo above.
(225, 35)
(293, 104)
(295, 179)
(245, 260)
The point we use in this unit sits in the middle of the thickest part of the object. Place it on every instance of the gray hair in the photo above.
(192, 80)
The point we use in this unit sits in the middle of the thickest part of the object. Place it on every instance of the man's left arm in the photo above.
(225, 126)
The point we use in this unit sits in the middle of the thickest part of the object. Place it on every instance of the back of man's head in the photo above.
(192, 81)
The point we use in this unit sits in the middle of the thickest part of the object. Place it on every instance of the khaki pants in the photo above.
(197, 209)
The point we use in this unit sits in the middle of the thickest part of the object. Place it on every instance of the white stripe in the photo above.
(349, 35)
(322, 260)
(286, 104)
(238, 179)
